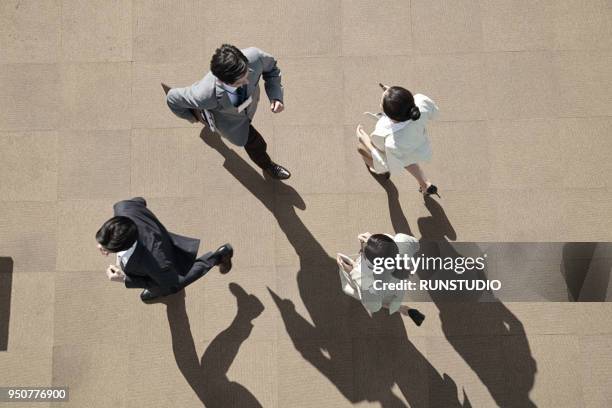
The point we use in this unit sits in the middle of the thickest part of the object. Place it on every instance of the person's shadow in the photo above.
(483, 331)
(208, 376)
(398, 220)
(587, 276)
(6, 288)
(363, 356)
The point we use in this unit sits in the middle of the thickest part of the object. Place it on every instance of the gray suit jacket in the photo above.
(208, 94)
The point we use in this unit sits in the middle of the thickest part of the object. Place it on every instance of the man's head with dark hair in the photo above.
(229, 64)
(117, 234)
(380, 246)
(398, 104)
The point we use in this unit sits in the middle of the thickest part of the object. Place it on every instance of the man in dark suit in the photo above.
(150, 257)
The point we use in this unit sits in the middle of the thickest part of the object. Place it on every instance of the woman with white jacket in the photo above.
(400, 139)
(358, 274)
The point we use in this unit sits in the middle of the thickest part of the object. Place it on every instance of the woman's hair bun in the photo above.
(398, 104)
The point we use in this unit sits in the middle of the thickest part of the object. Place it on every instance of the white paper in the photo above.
(210, 120)
(244, 104)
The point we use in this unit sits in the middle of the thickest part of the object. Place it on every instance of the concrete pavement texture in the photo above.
(521, 153)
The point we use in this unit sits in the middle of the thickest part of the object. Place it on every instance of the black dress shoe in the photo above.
(148, 296)
(416, 316)
(278, 172)
(224, 258)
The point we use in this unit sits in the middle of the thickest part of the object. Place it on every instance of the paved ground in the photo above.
(521, 153)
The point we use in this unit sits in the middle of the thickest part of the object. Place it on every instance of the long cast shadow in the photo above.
(6, 288)
(586, 275)
(486, 334)
(398, 220)
(363, 356)
(208, 376)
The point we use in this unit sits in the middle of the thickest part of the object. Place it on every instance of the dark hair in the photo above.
(398, 104)
(117, 234)
(380, 246)
(228, 63)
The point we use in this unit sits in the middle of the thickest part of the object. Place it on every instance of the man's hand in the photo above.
(115, 274)
(277, 106)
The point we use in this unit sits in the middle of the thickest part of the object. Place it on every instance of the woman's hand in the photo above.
(363, 238)
(364, 138)
(361, 132)
(344, 263)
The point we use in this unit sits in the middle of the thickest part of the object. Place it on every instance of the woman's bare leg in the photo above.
(419, 175)
(404, 309)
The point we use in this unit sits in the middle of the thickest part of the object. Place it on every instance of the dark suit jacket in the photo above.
(160, 256)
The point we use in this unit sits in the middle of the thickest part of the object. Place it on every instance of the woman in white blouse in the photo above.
(357, 276)
(400, 139)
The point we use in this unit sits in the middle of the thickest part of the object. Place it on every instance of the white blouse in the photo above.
(359, 280)
(399, 144)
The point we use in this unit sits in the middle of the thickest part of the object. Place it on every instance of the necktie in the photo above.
(241, 92)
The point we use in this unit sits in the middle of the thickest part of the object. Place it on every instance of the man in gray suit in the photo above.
(226, 100)
(150, 257)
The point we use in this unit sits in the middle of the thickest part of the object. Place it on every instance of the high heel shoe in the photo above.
(432, 189)
(416, 316)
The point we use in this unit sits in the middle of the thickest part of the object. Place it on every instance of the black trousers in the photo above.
(256, 149)
(200, 267)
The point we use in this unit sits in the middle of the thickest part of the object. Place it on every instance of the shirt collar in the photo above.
(229, 88)
(385, 125)
(128, 251)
